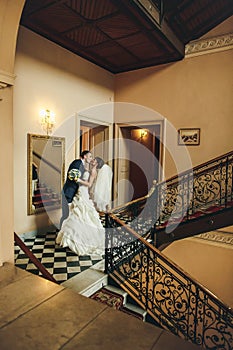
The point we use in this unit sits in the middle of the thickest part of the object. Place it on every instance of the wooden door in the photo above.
(136, 161)
(94, 137)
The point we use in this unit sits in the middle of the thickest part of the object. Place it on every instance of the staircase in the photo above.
(209, 219)
(196, 201)
(173, 300)
(115, 297)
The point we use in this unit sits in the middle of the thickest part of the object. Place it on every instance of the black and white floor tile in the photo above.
(60, 262)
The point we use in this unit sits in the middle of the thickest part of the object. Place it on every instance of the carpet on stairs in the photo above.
(113, 300)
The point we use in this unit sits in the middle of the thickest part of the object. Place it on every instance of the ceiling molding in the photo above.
(209, 45)
(217, 237)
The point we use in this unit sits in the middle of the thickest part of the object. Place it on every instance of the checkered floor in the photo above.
(60, 262)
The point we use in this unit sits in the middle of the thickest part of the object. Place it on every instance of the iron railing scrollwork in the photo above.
(175, 301)
(193, 192)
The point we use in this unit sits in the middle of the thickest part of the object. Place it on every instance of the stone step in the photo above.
(118, 291)
(136, 309)
(129, 304)
(88, 282)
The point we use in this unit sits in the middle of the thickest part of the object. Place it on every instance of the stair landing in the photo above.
(38, 314)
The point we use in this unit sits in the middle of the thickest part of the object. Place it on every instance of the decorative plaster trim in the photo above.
(217, 237)
(209, 45)
(6, 79)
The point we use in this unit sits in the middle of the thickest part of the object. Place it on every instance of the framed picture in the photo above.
(56, 143)
(189, 137)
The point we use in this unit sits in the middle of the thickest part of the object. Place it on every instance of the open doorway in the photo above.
(138, 159)
(95, 136)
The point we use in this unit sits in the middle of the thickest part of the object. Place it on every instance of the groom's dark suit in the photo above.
(70, 188)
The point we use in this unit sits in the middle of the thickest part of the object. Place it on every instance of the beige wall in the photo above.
(6, 176)
(195, 92)
(209, 263)
(48, 76)
(10, 12)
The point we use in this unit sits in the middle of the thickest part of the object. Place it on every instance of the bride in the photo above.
(82, 231)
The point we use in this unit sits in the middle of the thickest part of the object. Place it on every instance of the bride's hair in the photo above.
(100, 162)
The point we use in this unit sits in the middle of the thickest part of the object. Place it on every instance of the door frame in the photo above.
(162, 137)
(83, 118)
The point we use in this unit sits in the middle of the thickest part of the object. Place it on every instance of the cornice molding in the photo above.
(217, 237)
(6, 79)
(209, 45)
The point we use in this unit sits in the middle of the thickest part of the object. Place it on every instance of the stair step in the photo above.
(47, 202)
(129, 304)
(136, 309)
(131, 300)
(117, 291)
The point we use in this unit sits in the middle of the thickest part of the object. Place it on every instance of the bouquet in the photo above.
(74, 174)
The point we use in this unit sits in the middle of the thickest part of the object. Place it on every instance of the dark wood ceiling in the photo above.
(123, 35)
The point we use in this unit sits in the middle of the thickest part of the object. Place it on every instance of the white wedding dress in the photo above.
(103, 188)
(82, 231)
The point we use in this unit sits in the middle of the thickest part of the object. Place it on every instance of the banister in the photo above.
(47, 162)
(199, 166)
(174, 299)
(170, 262)
(33, 259)
(175, 177)
(141, 268)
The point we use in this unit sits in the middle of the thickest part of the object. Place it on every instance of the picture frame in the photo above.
(189, 136)
(56, 142)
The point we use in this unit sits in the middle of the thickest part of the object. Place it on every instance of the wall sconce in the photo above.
(47, 120)
(143, 133)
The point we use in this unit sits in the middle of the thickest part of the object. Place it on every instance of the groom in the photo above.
(75, 171)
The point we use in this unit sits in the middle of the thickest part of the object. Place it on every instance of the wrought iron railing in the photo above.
(175, 301)
(139, 214)
(193, 193)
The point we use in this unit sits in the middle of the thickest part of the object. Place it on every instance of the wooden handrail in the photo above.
(185, 172)
(137, 200)
(33, 259)
(166, 182)
(47, 162)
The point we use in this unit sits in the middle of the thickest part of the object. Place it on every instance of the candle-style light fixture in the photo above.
(143, 133)
(47, 120)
